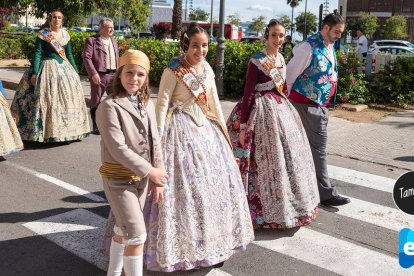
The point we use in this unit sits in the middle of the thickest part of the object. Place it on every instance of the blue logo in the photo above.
(406, 248)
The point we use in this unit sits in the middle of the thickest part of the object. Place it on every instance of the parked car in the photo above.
(146, 35)
(118, 34)
(393, 49)
(251, 39)
(378, 43)
(29, 29)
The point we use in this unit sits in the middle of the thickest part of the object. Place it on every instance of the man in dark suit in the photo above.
(100, 56)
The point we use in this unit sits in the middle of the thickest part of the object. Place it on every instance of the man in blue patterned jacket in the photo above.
(311, 80)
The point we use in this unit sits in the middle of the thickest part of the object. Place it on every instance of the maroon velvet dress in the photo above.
(276, 162)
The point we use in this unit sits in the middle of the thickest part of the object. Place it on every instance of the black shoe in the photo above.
(95, 131)
(94, 125)
(218, 265)
(336, 201)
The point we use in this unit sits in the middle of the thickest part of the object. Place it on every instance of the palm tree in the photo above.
(176, 19)
(293, 4)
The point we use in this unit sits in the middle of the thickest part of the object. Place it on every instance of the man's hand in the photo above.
(96, 79)
(33, 79)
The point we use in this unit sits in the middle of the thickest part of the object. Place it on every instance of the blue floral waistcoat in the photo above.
(315, 81)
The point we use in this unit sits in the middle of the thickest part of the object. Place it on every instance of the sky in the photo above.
(248, 9)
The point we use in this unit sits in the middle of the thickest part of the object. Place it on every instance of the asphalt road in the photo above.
(52, 211)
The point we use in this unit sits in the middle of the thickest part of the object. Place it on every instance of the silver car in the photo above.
(379, 43)
(393, 49)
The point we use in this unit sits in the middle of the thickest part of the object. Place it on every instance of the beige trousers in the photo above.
(127, 199)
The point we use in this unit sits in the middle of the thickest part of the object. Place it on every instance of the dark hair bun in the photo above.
(192, 25)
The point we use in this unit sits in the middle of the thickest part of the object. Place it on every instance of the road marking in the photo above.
(362, 179)
(78, 231)
(60, 183)
(376, 214)
(217, 272)
(331, 253)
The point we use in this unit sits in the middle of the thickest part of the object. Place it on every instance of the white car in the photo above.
(379, 43)
(393, 49)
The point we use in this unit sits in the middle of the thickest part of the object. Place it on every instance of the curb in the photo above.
(9, 85)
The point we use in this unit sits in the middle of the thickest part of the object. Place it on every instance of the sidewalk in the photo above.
(389, 141)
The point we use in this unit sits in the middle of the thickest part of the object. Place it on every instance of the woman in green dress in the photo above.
(49, 104)
(10, 141)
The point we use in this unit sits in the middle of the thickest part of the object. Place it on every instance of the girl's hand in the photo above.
(158, 177)
(157, 193)
(242, 137)
(33, 80)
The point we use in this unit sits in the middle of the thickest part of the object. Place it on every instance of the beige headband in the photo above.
(134, 57)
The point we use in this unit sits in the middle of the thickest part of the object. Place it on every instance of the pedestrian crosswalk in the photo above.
(337, 255)
(360, 238)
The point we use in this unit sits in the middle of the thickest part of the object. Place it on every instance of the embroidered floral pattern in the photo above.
(276, 164)
(315, 82)
(54, 110)
(204, 217)
(10, 141)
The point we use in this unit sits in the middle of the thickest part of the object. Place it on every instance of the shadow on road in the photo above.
(30, 145)
(401, 158)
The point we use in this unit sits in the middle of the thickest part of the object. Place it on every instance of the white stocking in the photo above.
(133, 265)
(116, 255)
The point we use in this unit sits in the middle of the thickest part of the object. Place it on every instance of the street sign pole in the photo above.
(220, 51)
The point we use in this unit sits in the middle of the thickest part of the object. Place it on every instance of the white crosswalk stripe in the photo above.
(361, 178)
(334, 254)
(383, 216)
(80, 232)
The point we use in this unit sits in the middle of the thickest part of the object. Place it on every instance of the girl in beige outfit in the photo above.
(204, 217)
(131, 158)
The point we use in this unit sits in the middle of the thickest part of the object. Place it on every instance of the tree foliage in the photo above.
(365, 22)
(293, 3)
(234, 19)
(286, 22)
(258, 24)
(395, 28)
(311, 23)
(136, 12)
(199, 15)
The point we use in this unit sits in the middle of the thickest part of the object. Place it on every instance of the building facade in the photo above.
(383, 9)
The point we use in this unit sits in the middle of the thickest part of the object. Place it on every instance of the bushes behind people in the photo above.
(160, 53)
(11, 46)
(392, 85)
(352, 83)
(395, 84)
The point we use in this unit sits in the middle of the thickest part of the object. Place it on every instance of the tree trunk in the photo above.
(176, 19)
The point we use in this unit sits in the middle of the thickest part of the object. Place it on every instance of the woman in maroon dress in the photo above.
(269, 139)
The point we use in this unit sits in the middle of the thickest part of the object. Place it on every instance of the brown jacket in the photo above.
(124, 139)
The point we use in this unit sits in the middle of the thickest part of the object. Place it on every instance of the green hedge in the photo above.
(352, 82)
(160, 53)
(11, 48)
(392, 85)
(395, 84)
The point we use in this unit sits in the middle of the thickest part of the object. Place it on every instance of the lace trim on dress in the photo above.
(265, 86)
